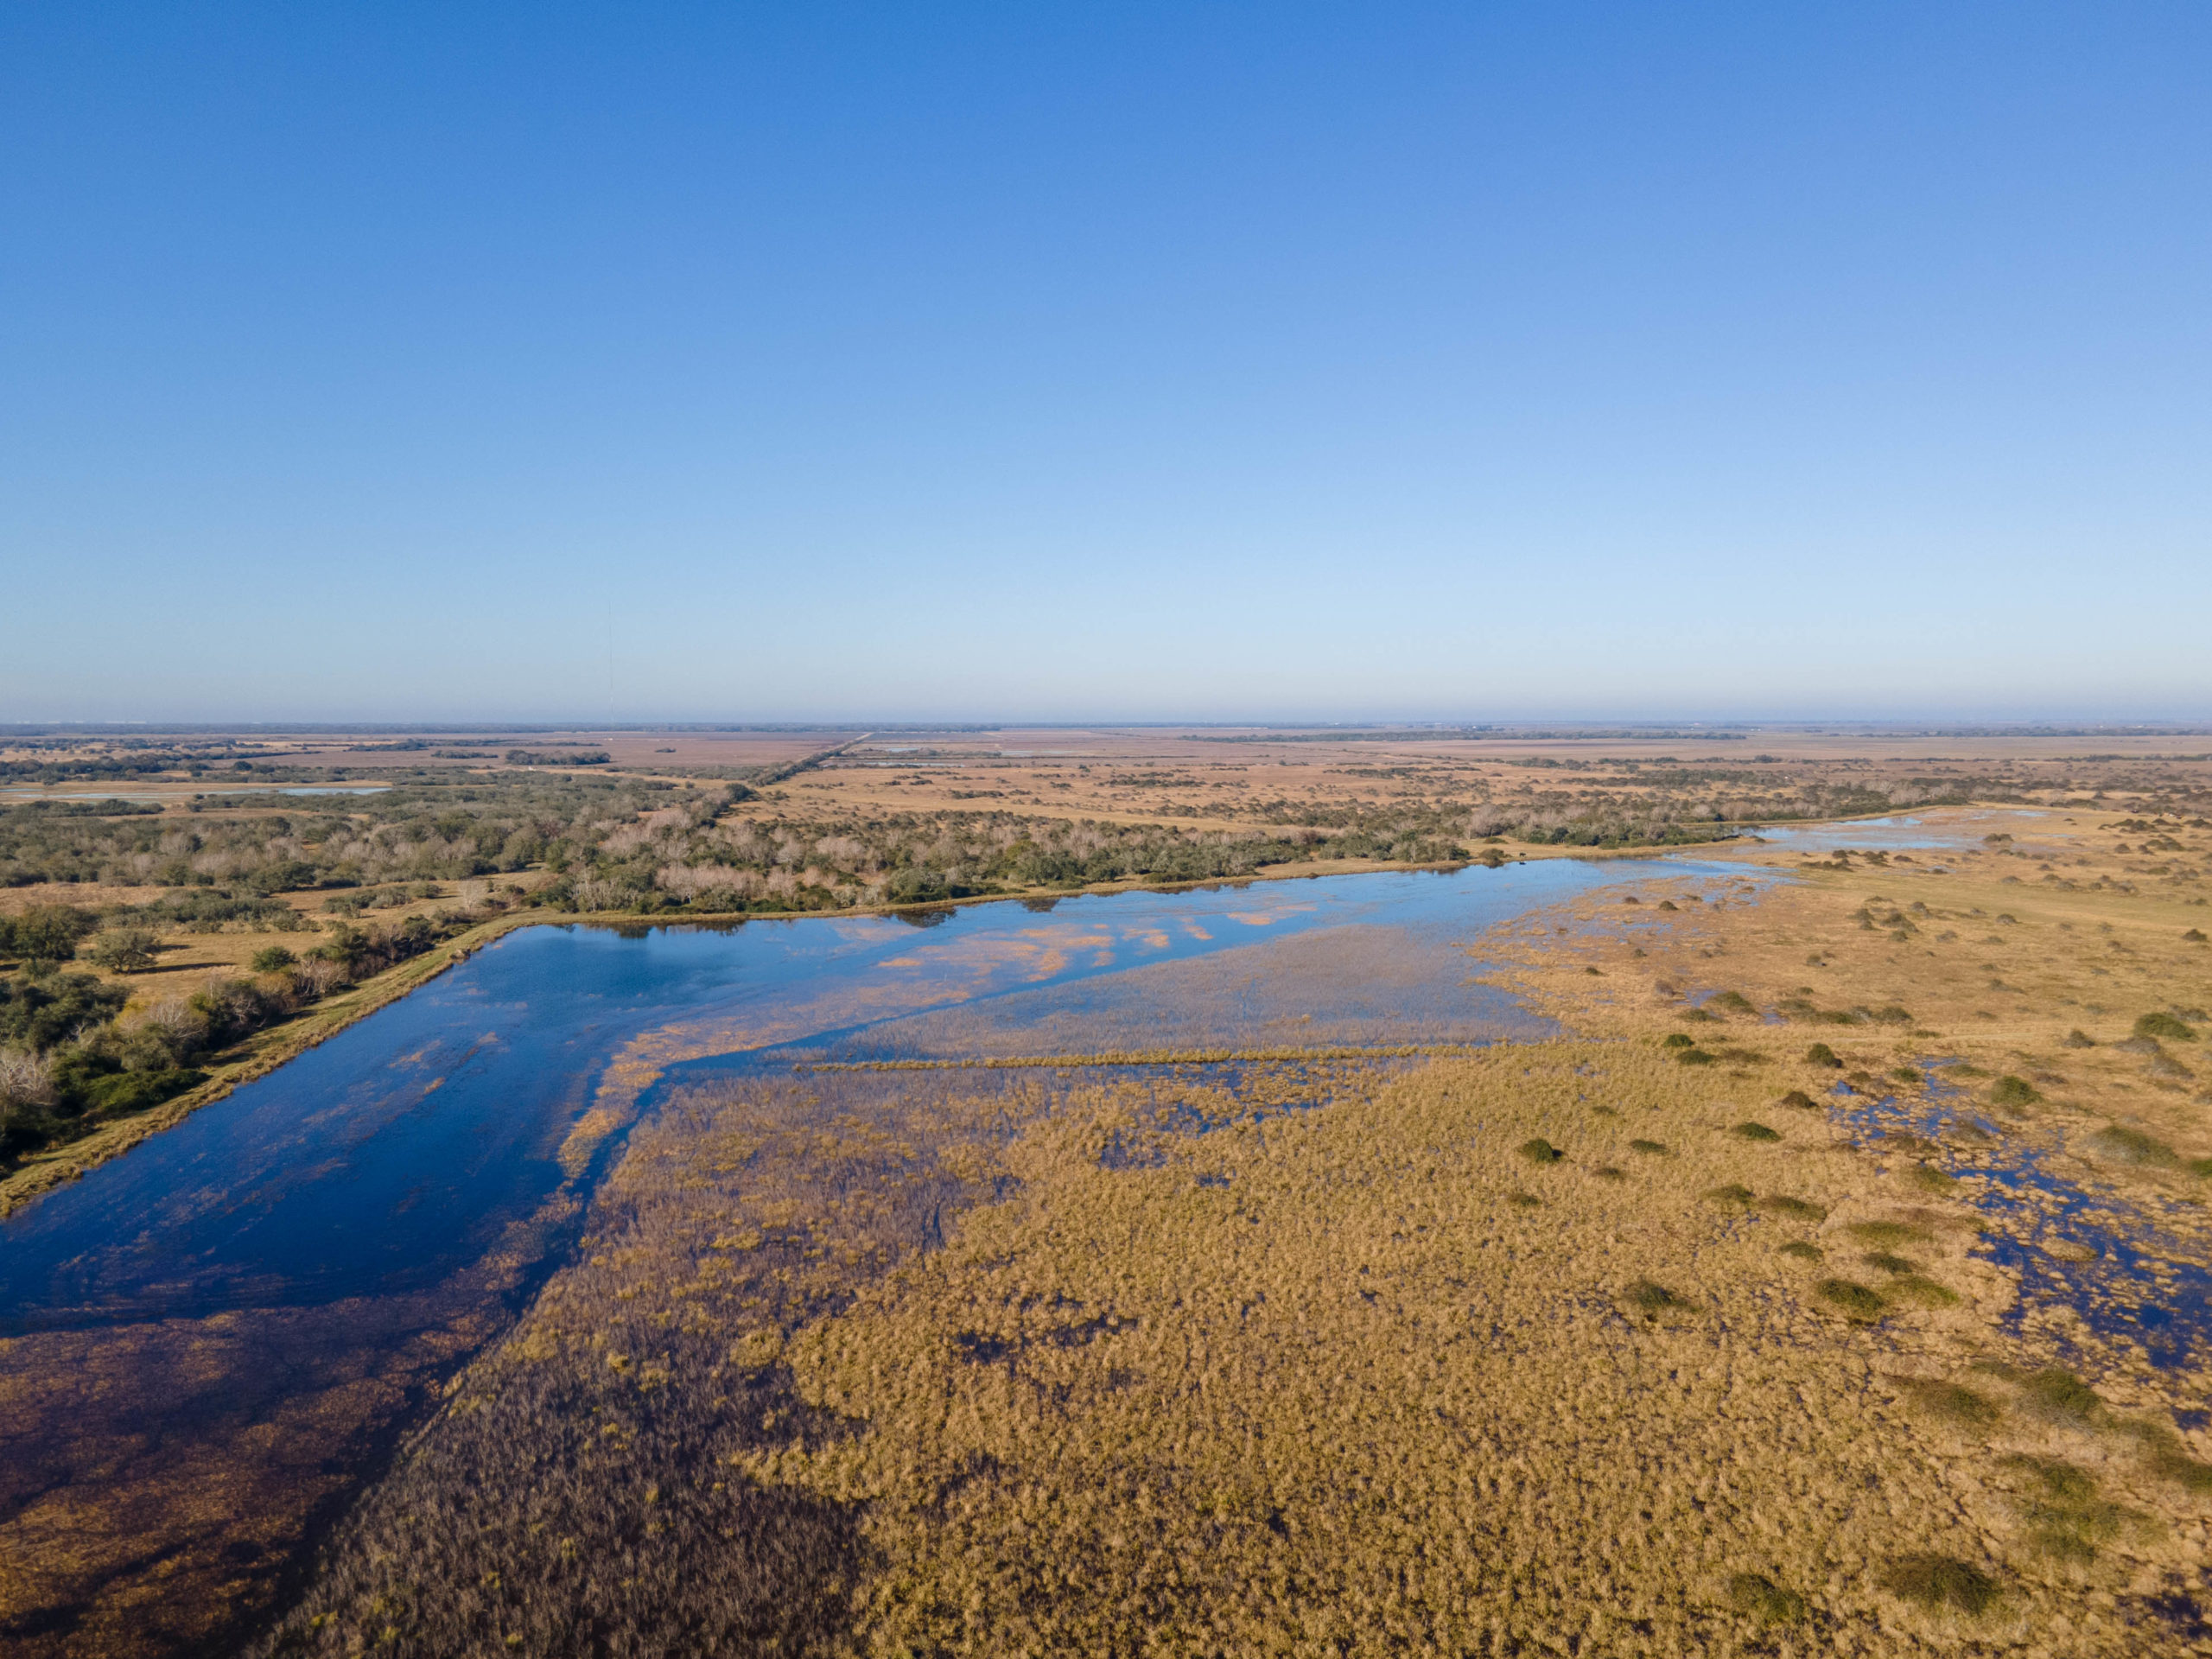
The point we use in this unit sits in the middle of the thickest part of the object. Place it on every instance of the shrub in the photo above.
(1750, 1131)
(2013, 1092)
(272, 957)
(1941, 1583)
(1821, 1054)
(1679, 1040)
(1855, 1301)
(1540, 1151)
(125, 950)
(2164, 1027)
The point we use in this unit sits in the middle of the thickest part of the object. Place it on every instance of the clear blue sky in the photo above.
(1052, 361)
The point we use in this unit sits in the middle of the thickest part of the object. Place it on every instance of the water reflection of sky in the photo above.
(397, 1152)
(1901, 833)
(2131, 1291)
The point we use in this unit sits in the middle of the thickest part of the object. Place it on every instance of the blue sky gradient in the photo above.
(905, 362)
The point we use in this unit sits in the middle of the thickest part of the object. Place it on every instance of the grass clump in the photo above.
(1649, 1149)
(1941, 1584)
(2077, 1037)
(2061, 1394)
(1889, 1263)
(1731, 1193)
(1804, 1251)
(1950, 1403)
(2013, 1093)
(1751, 1131)
(1537, 1150)
(1734, 1002)
(1883, 1233)
(1607, 1172)
(1799, 1099)
(1930, 1178)
(1906, 1075)
(1694, 1057)
(1821, 1054)
(1678, 1039)
(1756, 1596)
(2065, 1516)
(2164, 1027)
(1920, 1292)
(1795, 1209)
(2125, 1145)
(1652, 1300)
(1852, 1300)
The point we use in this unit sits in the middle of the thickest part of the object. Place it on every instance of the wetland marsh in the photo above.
(1799, 1245)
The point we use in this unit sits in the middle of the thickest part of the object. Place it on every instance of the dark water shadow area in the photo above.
(205, 1343)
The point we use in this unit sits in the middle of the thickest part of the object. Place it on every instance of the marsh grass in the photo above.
(2014, 1093)
(1649, 1149)
(2123, 1145)
(1537, 1150)
(1883, 1235)
(2065, 1516)
(2164, 1027)
(1652, 1300)
(1804, 1251)
(1733, 1193)
(1750, 1130)
(1942, 1584)
(1916, 1290)
(1888, 1263)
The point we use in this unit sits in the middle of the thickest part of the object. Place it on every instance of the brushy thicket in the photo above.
(68, 1063)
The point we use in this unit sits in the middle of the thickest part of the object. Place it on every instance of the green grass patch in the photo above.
(1889, 1263)
(1941, 1584)
(2125, 1145)
(1607, 1172)
(1652, 1300)
(1928, 1178)
(1649, 1149)
(1734, 1002)
(1537, 1150)
(1678, 1039)
(2013, 1092)
(1950, 1403)
(1795, 1209)
(1751, 1131)
(1731, 1193)
(2061, 1394)
(1883, 1235)
(1821, 1054)
(1756, 1596)
(2164, 1027)
(1854, 1301)
(1917, 1292)
(1694, 1056)
(1804, 1252)
(1799, 1099)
